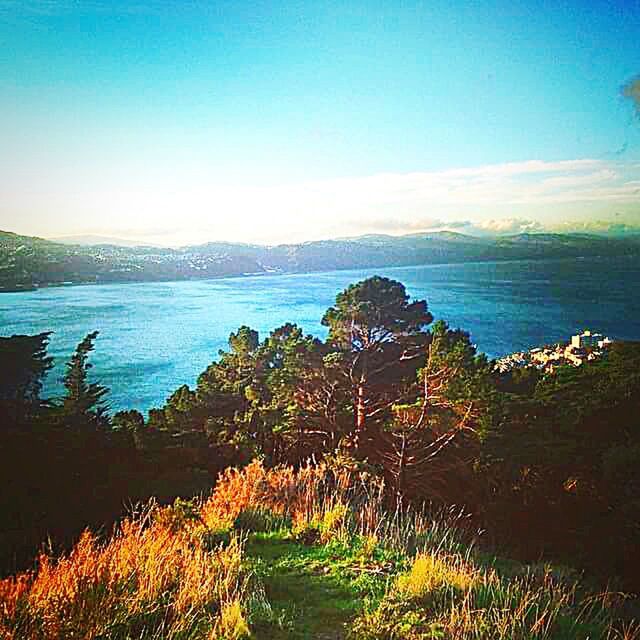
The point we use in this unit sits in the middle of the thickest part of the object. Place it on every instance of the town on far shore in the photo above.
(583, 347)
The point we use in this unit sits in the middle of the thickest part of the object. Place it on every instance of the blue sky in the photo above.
(268, 122)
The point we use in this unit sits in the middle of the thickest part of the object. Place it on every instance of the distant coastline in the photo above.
(264, 274)
(28, 264)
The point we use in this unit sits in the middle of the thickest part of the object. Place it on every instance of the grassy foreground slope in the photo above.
(306, 554)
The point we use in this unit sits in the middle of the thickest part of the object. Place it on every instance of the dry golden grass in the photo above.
(162, 576)
(312, 494)
(151, 576)
(156, 576)
(453, 597)
(430, 573)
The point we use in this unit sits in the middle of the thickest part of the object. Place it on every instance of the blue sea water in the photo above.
(156, 336)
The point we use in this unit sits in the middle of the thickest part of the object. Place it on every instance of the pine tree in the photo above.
(381, 338)
(84, 400)
(24, 365)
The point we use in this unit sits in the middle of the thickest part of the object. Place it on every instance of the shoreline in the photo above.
(17, 289)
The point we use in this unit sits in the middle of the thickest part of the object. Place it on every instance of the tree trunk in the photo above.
(360, 409)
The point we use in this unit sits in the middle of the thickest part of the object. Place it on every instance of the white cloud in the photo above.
(179, 208)
(509, 225)
(605, 227)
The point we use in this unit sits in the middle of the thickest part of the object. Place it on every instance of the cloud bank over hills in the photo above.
(512, 226)
(589, 195)
(492, 228)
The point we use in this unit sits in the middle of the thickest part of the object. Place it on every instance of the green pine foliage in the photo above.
(84, 400)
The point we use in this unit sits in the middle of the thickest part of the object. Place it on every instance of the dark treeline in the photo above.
(548, 465)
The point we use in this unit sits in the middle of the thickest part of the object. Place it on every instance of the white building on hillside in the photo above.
(588, 339)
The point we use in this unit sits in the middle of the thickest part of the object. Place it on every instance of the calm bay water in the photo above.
(157, 336)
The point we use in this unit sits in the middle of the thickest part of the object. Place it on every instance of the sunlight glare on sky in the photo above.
(186, 122)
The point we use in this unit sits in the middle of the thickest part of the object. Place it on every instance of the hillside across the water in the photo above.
(29, 262)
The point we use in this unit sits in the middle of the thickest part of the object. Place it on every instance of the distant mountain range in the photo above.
(30, 262)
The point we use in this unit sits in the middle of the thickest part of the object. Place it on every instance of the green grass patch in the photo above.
(315, 591)
(356, 589)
